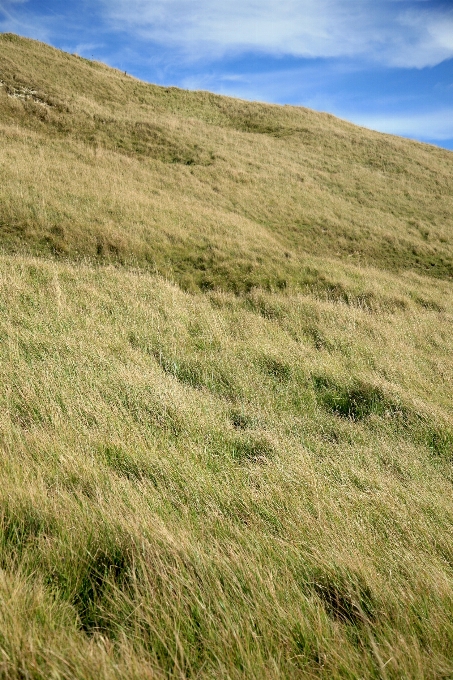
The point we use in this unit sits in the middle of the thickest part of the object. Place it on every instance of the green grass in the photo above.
(226, 425)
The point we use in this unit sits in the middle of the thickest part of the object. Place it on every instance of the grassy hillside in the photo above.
(210, 191)
(226, 365)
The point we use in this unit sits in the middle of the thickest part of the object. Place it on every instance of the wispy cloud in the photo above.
(432, 125)
(394, 32)
(13, 21)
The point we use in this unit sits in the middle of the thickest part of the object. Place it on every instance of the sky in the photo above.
(383, 64)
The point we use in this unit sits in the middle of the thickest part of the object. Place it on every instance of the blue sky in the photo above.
(384, 64)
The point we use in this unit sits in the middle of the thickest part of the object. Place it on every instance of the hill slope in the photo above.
(226, 415)
(212, 191)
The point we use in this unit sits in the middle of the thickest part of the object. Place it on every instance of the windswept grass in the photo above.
(210, 191)
(193, 489)
(226, 446)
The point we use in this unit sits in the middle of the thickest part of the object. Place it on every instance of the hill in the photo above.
(226, 415)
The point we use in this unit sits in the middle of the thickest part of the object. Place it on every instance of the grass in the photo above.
(209, 191)
(226, 439)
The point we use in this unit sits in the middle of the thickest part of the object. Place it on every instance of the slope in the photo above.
(208, 190)
(226, 424)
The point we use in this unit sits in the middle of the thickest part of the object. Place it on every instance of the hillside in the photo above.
(226, 364)
(212, 191)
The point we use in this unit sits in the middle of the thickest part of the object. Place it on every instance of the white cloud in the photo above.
(395, 32)
(34, 27)
(432, 125)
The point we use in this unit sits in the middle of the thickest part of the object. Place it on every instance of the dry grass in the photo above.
(210, 191)
(252, 482)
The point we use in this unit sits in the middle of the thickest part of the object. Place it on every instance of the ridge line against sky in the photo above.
(385, 64)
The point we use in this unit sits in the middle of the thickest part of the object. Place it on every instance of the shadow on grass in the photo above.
(355, 401)
(345, 595)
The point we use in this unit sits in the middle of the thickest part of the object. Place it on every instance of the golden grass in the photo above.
(213, 192)
(252, 482)
(179, 498)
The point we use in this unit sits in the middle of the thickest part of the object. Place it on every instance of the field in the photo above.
(226, 364)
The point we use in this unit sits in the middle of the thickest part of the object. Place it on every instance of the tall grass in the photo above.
(194, 488)
(225, 447)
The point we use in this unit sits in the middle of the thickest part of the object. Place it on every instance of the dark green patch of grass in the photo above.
(240, 420)
(403, 256)
(324, 288)
(145, 410)
(96, 582)
(264, 307)
(355, 401)
(345, 595)
(122, 462)
(306, 648)
(26, 411)
(249, 448)
(20, 526)
(318, 338)
(78, 484)
(439, 442)
(277, 370)
(198, 374)
(425, 303)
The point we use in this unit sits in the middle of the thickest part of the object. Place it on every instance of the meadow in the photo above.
(226, 364)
